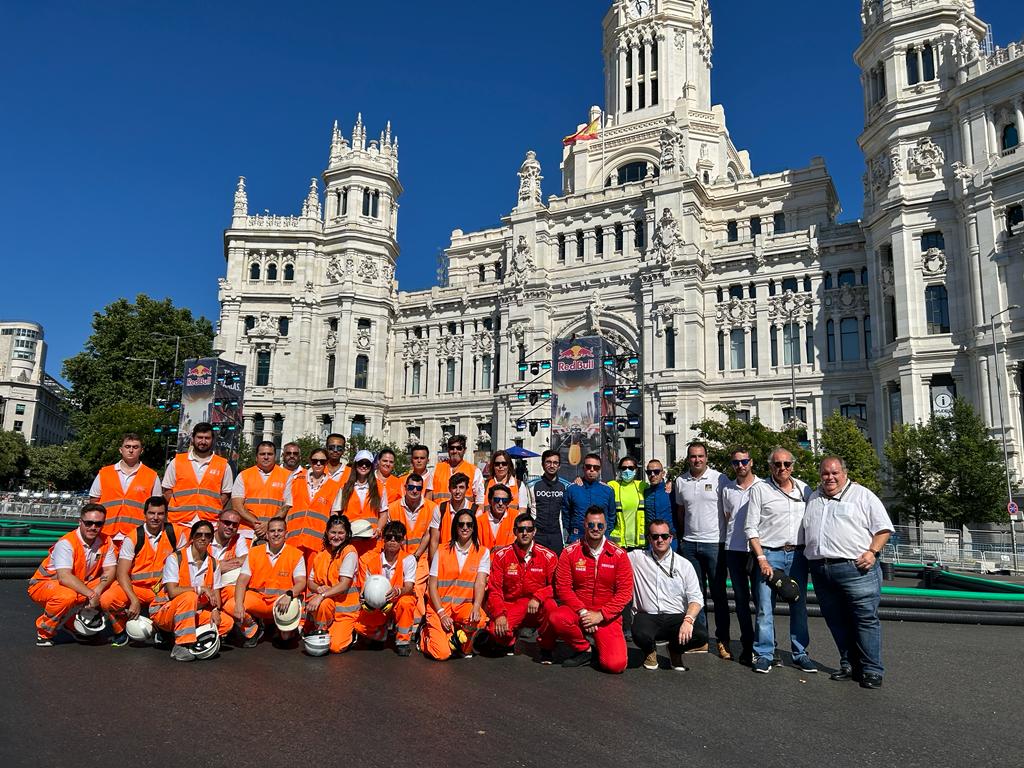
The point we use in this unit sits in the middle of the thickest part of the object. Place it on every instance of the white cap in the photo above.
(363, 456)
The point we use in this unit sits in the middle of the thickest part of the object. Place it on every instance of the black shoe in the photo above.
(403, 650)
(546, 657)
(843, 673)
(870, 681)
(578, 659)
(747, 658)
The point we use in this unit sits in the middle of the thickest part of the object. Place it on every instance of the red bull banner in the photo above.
(211, 390)
(579, 409)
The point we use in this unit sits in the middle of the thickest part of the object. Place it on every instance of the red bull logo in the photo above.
(199, 376)
(576, 358)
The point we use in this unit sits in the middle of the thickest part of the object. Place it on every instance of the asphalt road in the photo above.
(951, 697)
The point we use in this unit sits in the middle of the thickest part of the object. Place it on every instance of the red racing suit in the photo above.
(513, 582)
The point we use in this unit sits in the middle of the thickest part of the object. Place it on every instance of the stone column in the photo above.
(1018, 111)
(965, 138)
(990, 121)
(622, 78)
(646, 53)
(634, 53)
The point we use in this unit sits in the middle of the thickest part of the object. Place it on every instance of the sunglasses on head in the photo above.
(781, 464)
(595, 526)
(740, 462)
(92, 523)
(660, 536)
(525, 529)
(392, 537)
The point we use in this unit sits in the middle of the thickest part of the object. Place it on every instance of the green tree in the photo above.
(722, 436)
(13, 458)
(842, 437)
(308, 444)
(57, 468)
(969, 464)
(374, 445)
(246, 456)
(100, 433)
(909, 471)
(101, 375)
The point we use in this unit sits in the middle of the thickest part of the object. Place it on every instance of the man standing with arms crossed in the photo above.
(775, 516)
(845, 528)
(197, 484)
(699, 518)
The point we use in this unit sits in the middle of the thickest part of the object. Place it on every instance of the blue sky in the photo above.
(126, 124)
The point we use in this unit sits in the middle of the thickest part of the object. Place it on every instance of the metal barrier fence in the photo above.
(974, 550)
(61, 510)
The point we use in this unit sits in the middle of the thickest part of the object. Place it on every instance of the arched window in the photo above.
(271, 272)
(254, 271)
(789, 284)
(289, 273)
(417, 377)
(366, 201)
(707, 177)
(847, 277)
(635, 171)
(362, 371)
(1010, 137)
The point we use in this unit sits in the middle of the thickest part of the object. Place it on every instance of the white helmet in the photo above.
(318, 644)
(375, 591)
(362, 529)
(207, 641)
(139, 629)
(89, 622)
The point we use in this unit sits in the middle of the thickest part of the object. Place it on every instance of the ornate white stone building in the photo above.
(723, 284)
(31, 401)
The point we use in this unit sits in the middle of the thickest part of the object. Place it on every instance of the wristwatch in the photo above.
(876, 552)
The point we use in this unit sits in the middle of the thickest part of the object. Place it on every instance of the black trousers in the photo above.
(650, 628)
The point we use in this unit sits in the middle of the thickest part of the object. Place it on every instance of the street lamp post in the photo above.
(1002, 425)
(152, 379)
(177, 345)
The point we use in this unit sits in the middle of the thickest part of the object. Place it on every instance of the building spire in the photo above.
(311, 207)
(359, 133)
(241, 198)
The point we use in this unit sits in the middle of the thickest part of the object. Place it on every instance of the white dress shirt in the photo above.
(734, 508)
(667, 585)
(843, 526)
(197, 571)
(774, 516)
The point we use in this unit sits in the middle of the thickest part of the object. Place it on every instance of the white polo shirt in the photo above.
(667, 585)
(774, 517)
(461, 555)
(197, 571)
(701, 500)
(125, 475)
(199, 467)
(843, 526)
(408, 564)
(63, 556)
(435, 521)
(734, 508)
(298, 572)
(218, 550)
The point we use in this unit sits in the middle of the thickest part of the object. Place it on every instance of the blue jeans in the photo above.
(709, 561)
(794, 564)
(849, 600)
(741, 587)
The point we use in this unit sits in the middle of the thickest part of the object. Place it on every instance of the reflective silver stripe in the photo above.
(310, 531)
(183, 632)
(317, 515)
(184, 615)
(147, 575)
(195, 492)
(124, 503)
(346, 608)
(196, 508)
(415, 542)
(455, 583)
(270, 591)
(273, 502)
(118, 520)
(454, 600)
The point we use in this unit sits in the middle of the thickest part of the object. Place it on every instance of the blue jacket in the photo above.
(658, 504)
(579, 498)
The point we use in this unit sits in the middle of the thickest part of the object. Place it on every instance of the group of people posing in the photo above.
(468, 558)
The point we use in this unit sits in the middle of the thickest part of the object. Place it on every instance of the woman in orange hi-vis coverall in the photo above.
(190, 595)
(455, 588)
(333, 604)
(271, 571)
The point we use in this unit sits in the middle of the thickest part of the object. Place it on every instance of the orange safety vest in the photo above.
(370, 565)
(272, 579)
(413, 534)
(356, 509)
(394, 487)
(324, 570)
(445, 530)
(505, 535)
(184, 578)
(307, 520)
(443, 473)
(455, 585)
(148, 565)
(124, 507)
(264, 498)
(46, 571)
(515, 506)
(190, 496)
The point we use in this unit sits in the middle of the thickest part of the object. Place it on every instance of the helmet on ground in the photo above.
(362, 529)
(318, 644)
(139, 629)
(89, 622)
(207, 641)
(289, 619)
(375, 591)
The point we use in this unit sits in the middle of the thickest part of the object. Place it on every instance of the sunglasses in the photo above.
(364, 464)
(203, 536)
(781, 464)
(500, 500)
(740, 462)
(392, 537)
(92, 523)
(652, 472)
(335, 447)
(318, 461)
(595, 526)
(456, 447)
(594, 467)
(660, 536)
(525, 529)
(464, 525)
(501, 463)
(415, 488)
(230, 523)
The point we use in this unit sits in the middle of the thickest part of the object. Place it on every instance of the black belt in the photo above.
(785, 548)
(833, 560)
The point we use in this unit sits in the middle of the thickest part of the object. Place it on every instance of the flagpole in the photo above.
(601, 180)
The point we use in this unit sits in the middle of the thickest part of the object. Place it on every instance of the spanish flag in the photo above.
(584, 134)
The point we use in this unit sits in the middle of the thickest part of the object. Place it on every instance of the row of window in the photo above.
(452, 327)
(25, 333)
(854, 344)
(446, 375)
(636, 82)
(282, 324)
(576, 240)
(255, 272)
(790, 284)
(732, 231)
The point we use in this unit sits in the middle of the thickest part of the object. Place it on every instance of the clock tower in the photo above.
(656, 52)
